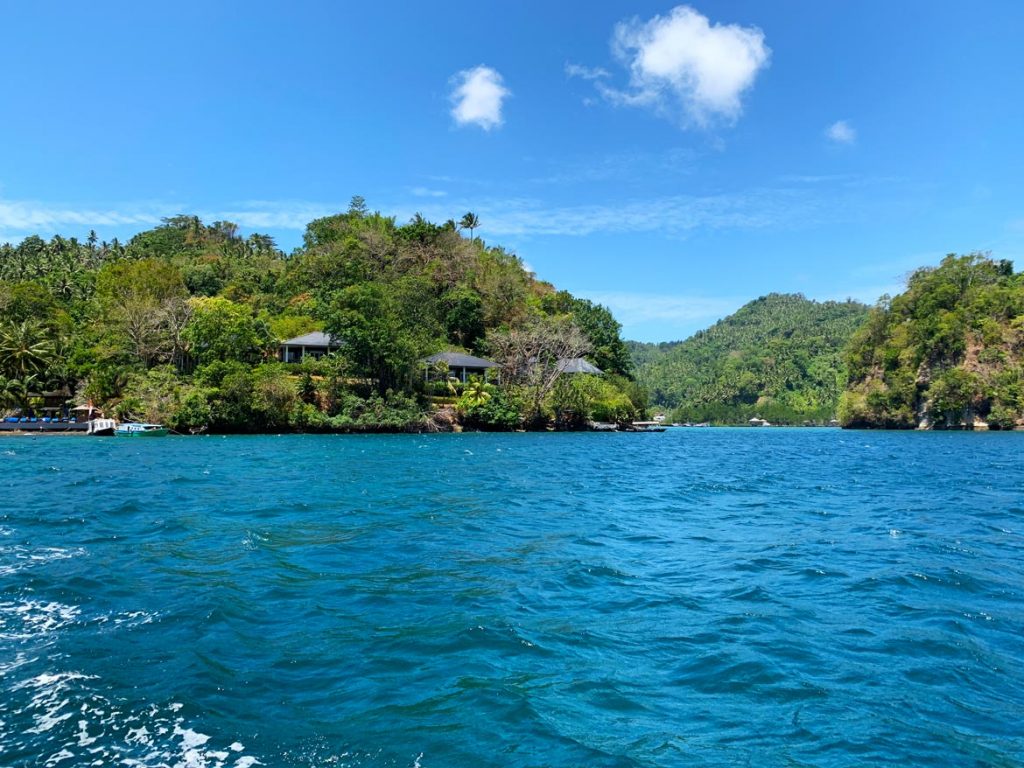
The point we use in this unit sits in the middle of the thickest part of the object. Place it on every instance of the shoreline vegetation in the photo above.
(183, 325)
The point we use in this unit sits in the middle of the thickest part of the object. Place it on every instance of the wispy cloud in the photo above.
(526, 216)
(19, 218)
(26, 216)
(674, 215)
(795, 178)
(628, 167)
(269, 214)
(636, 308)
(584, 72)
(477, 97)
(841, 132)
(426, 192)
(685, 67)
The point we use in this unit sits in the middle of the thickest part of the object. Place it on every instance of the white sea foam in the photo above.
(31, 618)
(19, 557)
(75, 724)
(59, 757)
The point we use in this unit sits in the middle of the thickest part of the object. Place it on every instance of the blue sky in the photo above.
(670, 161)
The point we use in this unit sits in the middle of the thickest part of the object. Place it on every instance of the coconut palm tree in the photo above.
(25, 349)
(470, 221)
(475, 392)
(14, 393)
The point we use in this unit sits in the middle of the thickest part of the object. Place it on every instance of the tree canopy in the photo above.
(182, 323)
(948, 352)
(778, 357)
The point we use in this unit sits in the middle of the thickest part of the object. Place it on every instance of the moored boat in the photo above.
(101, 427)
(139, 429)
(646, 426)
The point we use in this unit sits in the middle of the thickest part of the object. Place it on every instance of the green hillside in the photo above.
(778, 357)
(946, 353)
(182, 325)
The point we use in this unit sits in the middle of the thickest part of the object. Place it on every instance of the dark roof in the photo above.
(578, 365)
(460, 360)
(314, 339)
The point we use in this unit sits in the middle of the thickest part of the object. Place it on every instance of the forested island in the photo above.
(184, 324)
(181, 325)
(946, 353)
(778, 358)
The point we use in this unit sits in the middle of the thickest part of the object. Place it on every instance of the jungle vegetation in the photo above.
(946, 353)
(778, 358)
(181, 325)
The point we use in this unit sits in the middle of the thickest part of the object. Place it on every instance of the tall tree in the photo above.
(470, 221)
(25, 349)
(530, 355)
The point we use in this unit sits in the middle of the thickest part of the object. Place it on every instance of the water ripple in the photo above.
(707, 597)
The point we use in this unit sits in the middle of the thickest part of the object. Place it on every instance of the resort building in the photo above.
(578, 365)
(315, 345)
(460, 365)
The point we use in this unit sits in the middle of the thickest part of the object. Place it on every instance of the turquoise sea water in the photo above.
(704, 597)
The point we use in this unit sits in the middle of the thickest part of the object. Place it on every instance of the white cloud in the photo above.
(478, 95)
(674, 215)
(631, 167)
(23, 216)
(270, 214)
(683, 66)
(671, 215)
(19, 218)
(637, 308)
(841, 132)
(426, 192)
(584, 72)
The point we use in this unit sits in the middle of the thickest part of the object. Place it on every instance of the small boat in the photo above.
(138, 429)
(646, 426)
(101, 427)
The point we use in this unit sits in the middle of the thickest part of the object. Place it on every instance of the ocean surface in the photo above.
(701, 597)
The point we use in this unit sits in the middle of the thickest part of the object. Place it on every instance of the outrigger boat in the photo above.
(138, 429)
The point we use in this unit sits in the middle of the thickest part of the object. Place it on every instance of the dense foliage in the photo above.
(948, 352)
(182, 323)
(777, 358)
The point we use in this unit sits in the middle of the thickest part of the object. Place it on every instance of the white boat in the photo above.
(647, 426)
(101, 427)
(139, 429)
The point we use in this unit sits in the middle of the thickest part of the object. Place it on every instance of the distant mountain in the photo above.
(946, 353)
(778, 357)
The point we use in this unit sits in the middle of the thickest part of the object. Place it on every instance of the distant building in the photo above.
(315, 345)
(578, 365)
(460, 365)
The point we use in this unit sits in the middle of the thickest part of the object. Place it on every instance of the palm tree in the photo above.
(14, 393)
(470, 221)
(476, 392)
(25, 349)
